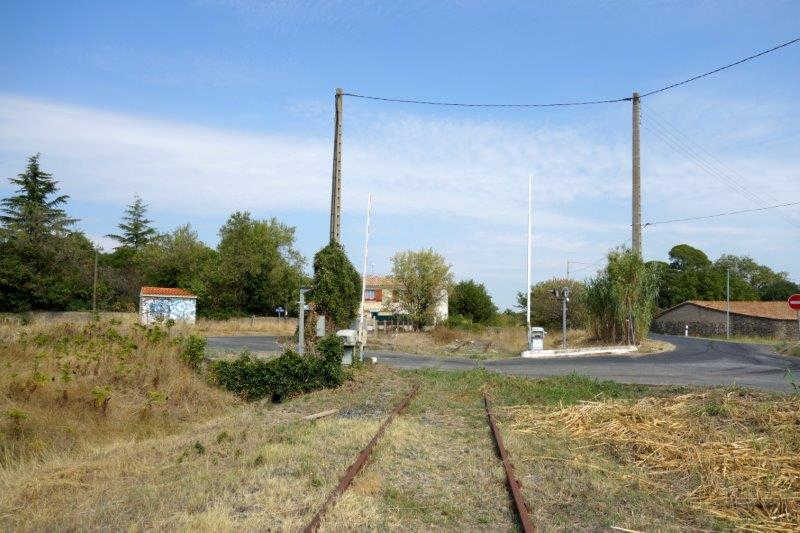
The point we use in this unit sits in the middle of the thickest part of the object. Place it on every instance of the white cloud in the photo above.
(469, 174)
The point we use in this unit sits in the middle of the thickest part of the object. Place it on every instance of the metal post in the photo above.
(636, 200)
(336, 178)
(728, 304)
(94, 284)
(361, 333)
(301, 323)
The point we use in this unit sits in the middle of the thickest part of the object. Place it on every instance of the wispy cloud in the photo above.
(469, 175)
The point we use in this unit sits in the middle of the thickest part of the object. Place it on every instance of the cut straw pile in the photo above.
(733, 454)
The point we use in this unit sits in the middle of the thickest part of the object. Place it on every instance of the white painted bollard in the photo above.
(686, 331)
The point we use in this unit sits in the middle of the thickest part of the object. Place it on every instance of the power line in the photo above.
(460, 104)
(718, 69)
(737, 212)
(580, 103)
(706, 161)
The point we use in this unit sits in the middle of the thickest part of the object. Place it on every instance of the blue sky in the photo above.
(209, 106)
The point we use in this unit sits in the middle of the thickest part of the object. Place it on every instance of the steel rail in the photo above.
(513, 484)
(354, 468)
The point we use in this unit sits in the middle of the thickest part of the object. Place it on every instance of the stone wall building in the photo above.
(748, 318)
(159, 304)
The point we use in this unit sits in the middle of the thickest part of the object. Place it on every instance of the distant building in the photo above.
(159, 304)
(382, 309)
(707, 317)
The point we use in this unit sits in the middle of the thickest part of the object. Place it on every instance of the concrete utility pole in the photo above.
(336, 178)
(728, 303)
(636, 200)
(94, 284)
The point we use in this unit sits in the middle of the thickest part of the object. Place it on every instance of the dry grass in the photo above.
(788, 348)
(67, 387)
(486, 343)
(269, 325)
(259, 325)
(732, 454)
(260, 467)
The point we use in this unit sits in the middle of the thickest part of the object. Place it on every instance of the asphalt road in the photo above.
(693, 362)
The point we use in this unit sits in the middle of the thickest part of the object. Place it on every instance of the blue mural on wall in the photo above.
(160, 309)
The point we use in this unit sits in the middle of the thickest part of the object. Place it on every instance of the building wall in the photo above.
(160, 308)
(710, 322)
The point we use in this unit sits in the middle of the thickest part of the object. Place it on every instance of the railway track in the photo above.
(514, 486)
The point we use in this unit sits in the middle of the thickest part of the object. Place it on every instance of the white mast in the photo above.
(528, 263)
(361, 333)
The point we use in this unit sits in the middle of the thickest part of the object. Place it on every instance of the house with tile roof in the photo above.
(748, 318)
(382, 310)
(159, 304)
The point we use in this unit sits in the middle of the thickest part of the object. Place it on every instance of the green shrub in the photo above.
(194, 351)
(283, 376)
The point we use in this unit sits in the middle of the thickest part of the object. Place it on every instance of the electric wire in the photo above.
(692, 150)
(701, 163)
(732, 172)
(726, 213)
(579, 103)
(462, 104)
(752, 197)
(718, 69)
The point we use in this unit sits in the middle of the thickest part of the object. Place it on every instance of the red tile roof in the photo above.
(381, 281)
(165, 291)
(776, 310)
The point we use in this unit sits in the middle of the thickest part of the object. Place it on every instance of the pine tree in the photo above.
(31, 211)
(136, 230)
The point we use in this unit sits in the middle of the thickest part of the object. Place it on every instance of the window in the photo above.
(369, 294)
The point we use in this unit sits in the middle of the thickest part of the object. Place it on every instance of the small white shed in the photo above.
(159, 304)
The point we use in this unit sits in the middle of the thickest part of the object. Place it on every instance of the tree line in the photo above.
(48, 264)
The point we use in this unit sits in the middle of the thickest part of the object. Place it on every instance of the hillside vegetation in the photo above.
(66, 387)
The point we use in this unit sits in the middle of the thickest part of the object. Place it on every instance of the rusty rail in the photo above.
(354, 468)
(513, 485)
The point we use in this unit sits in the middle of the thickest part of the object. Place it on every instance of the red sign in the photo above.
(794, 302)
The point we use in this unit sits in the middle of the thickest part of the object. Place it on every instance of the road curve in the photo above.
(693, 362)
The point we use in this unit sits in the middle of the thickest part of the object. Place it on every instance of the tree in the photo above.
(423, 278)
(135, 228)
(336, 289)
(33, 211)
(44, 264)
(180, 259)
(470, 299)
(546, 308)
(258, 265)
(779, 290)
(757, 277)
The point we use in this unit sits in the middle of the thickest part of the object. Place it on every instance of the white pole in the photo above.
(528, 286)
(361, 333)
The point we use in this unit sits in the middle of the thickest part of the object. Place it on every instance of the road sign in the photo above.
(794, 302)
